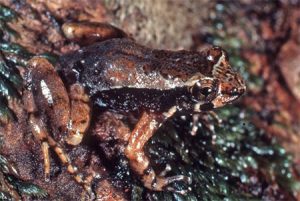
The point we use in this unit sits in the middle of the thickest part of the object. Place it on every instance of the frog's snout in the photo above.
(242, 90)
(228, 93)
(238, 91)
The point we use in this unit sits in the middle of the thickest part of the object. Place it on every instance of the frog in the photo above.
(112, 72)
(124, 77)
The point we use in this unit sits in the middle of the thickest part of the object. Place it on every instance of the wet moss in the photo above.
(11, 56)
(233, 160)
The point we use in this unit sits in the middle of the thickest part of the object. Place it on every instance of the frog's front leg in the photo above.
(203, 120)
(138, 160)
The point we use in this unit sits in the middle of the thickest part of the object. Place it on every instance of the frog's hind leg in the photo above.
(40, 132)
(140, 163)
(87, 33)
(45, 150)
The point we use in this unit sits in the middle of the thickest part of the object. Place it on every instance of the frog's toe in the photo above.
(182, 192)
(162, 183)
(183, 178)
(167, 169)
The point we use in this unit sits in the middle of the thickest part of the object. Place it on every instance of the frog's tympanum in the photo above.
(122, 76)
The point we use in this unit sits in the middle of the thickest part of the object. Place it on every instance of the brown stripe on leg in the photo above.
(139, 136)
(40, 133)
(45, 150)
(139, 162)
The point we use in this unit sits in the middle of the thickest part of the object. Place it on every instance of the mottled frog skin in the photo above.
(123, 76)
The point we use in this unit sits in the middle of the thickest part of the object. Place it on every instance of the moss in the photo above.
(233, 161)
(11, 55)
(10, 79)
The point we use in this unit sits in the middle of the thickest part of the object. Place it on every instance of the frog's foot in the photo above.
(140, 163)
(204, 120)
(159, 183)
(185, 179)
(195, 125)
(40, 132)
(167, 169)
(215, 117)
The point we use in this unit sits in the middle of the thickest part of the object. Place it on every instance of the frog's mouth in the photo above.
(227, 98)
(224, 96)
(219, 101)
(223, 100)
(216, 103)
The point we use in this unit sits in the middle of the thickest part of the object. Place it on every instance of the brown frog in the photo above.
(122, 76)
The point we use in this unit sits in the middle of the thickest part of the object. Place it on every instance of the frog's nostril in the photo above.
(243, 89)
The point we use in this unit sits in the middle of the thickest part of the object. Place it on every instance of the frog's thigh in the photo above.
(139, 162)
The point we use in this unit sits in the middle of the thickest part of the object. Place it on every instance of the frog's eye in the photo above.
(204, 92)
(198, 91)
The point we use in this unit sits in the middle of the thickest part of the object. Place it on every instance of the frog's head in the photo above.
(220, 86)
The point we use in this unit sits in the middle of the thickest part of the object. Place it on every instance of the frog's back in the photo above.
(118, 63)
